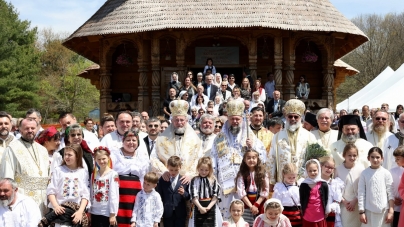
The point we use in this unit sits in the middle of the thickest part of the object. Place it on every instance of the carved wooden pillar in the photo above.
(155, 61)
(278, 62)
(142, 89)
(252, 56)
(180, 58)
(105, 77)
(328, 72)
(288, 84)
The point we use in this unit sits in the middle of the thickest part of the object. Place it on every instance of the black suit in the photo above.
(213, 91)
(278, 111)
(146, 141)
(175, 209)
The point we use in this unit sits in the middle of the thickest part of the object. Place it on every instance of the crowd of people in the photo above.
(222, 155)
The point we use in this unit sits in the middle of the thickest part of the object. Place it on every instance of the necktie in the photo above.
(172, 182)
(152, 145)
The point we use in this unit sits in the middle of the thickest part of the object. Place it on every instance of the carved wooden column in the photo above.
(105, 77)
(180, 58)
(278, 55)
(328, 72)
(252, 56)
(288, 84)
(143, 99)
(155, 61)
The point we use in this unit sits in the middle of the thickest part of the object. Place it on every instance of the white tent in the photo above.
(350, 103)
(389, 93)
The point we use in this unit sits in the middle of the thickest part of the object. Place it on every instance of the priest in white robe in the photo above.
(380, 129)
(351, 131)
(392, 142)
(325, 136)
(5, 136)
(206, 135)
(114, 139)
(178, 139)
(228, 151)
(16, 209)
(27, 162)
(289, 145)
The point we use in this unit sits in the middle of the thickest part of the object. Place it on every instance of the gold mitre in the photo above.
(179, 108)
(235, 108)
(294, 106)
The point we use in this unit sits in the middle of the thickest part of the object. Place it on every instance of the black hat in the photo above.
(311, 119)
(351, 120)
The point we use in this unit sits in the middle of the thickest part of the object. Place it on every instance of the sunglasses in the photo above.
(218, 126)
(224, 85)
(292, 116)
(74, 135)
(153, 126)
(380, 118)
(210, 111)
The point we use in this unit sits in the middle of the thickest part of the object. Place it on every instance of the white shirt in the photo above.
(105, 194)
(270, 88)
(24, 213)
(148, 209)
(152, 143)
(193, 99)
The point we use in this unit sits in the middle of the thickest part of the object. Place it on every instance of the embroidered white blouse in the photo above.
(69, 185)
(105, 194)
(148, 209)
(287, 195)
(252, 187)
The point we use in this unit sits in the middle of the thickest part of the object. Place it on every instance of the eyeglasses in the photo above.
(380, 118)
(293, 116)
(74, 135)
(224, 85)
(329, 167)
(218, 126)
(155, 126)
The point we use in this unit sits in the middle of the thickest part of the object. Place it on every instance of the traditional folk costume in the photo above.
(396, 173)
(363, 146)
(104, 197)
(4, 143)
(350, 177)
(289, 147)
(185, 146)
(205, 190)
(314, 201)
(374, 194)
(263, 221)
(264, 135)
(131, 172)
(227, 155)
(148, 209)
(290, 199)
(247, 187)
(28, 164)
(325, 139)
(206, 144)
(23, 213)
(335, 190)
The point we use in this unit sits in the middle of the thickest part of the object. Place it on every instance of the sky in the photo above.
(69, 15)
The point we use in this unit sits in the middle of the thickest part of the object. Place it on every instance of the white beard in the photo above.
(7, 202)
(206, 131)
(294, 127)
(349, 139)
(180, 130)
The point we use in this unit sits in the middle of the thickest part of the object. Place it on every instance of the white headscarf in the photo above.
(264, 217)
(308, 180)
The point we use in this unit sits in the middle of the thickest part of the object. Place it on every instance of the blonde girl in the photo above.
(273, 216)
(375, 197)
(104, 190)
(313, 196)
(349, 173)
(236, 211)
(335, 186)
(68, 188)
(252, 185)
(287, 192)
(204, 192)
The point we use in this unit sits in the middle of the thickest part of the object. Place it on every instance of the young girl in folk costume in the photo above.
(204, 192)
(287, 192)
(273, 216)
(209, 65)
(68, 193)
(335, 188)
(375, 198)
(252, 185)
(349, 173)
(105, 190)
(236, 210)
(313, 196)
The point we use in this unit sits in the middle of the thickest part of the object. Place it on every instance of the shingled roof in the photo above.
(133, 16)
